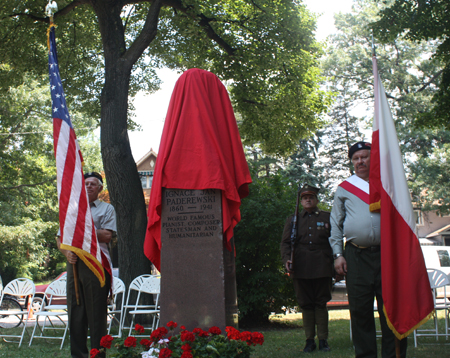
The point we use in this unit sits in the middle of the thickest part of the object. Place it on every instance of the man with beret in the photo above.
(312, 267)
(92, 311)
(360, 259)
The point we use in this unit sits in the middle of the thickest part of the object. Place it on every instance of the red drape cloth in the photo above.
(200, 149)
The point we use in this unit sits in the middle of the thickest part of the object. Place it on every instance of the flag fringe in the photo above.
(48, 34)
(406, 334)
(375, 207)
(87, 258)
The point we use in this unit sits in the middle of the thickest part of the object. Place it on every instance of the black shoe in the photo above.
(310, 346)
(323, 345)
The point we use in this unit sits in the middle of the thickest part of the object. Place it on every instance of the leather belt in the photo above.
(375, 248)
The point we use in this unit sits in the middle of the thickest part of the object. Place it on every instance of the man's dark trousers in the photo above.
(91, 312)
(363, 282)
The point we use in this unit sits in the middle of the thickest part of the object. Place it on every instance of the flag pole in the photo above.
(75, 282)
(373, 46)
(50, 9)
(408, 314)
(397, 341)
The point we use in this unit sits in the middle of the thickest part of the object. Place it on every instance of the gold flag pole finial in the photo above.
(51, 9)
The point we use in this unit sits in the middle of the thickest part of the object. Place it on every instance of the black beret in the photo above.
(93, 175)
(309, 189)
(358, 146)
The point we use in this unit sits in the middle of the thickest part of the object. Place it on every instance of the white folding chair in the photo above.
(141, 286)
(115, 307)
(19, 288)
(52, 312)
(438, 281)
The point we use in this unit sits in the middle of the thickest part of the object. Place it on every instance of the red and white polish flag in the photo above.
(407, 297)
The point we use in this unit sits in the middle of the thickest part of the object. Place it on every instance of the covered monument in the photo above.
(200, 177)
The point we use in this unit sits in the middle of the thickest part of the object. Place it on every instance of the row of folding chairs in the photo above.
(143, 289)
(440, 284)
(11, 313)
(53, 317)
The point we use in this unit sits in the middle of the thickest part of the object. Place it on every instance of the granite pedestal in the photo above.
(198, 278)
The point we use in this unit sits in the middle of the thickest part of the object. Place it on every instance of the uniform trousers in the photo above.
(312, 296)
(90, 313)
(312, 293)
(363, 284)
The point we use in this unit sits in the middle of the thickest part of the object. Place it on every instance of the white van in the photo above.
(437, 257)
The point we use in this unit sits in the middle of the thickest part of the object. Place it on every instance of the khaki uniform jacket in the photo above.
(313, 256)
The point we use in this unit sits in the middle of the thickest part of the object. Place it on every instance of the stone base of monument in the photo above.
(198, 278)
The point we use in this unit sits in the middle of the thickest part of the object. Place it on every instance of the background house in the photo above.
(146, 169)
(433, 228)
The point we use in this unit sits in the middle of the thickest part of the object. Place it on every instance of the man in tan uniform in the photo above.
(312, 268)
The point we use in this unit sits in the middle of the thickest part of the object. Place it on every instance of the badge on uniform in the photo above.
(320, 225)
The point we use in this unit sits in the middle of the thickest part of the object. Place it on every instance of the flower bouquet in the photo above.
(186, 344)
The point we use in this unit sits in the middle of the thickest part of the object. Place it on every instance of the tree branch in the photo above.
(28, 185)
(204, 22)
(128, 17)
(430, 81)
(17, 127)
(61, 12)
(253, 102)
(147, 34)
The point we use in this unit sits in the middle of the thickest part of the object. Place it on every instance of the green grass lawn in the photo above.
(287, 339)
(284, 338)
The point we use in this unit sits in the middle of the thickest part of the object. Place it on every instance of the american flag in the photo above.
(76, 223)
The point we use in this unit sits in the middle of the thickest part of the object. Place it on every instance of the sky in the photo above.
(151, 109)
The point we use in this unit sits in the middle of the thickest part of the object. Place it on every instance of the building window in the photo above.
(151, 181)
(419, 217)
(144, 182)
(444, 258)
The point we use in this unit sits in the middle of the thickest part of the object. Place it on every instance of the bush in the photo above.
(262, 284)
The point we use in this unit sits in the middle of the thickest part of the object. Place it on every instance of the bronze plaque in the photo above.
(198, 283)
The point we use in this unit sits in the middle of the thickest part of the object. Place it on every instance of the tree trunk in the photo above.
(120, 168)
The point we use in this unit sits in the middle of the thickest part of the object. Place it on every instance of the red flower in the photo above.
(186, 347)
(94, 352)
(246, 337)
(130, 342)
(257, 338)
(215, 330)
(158, 334)
(200, 332)
(187, 336)
(146, 343)
(182, 328)
(172, 324)
(106, 341)
(139, 329)
(165, 353)
(233, 333)
(187, 354)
